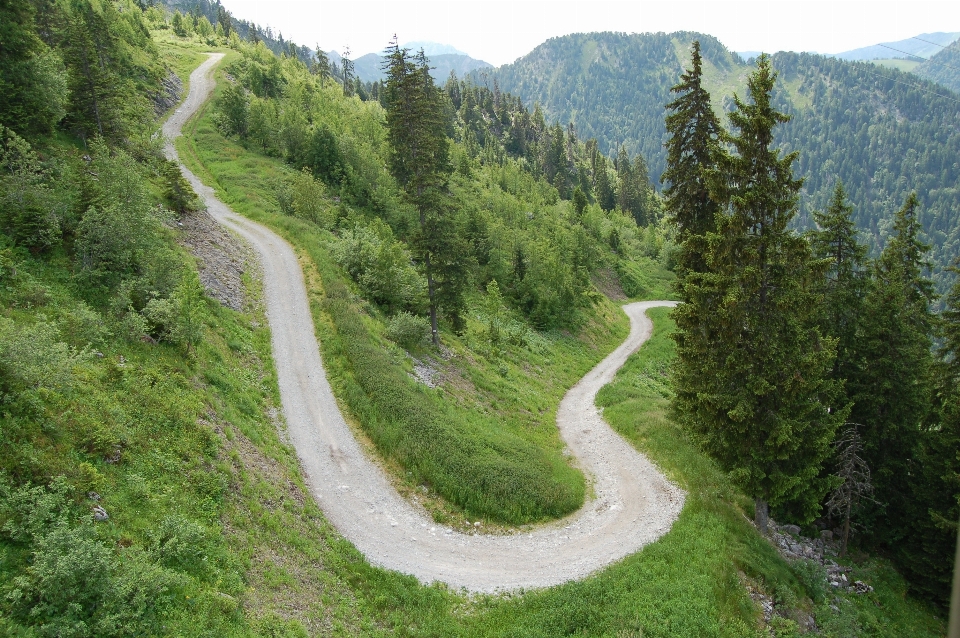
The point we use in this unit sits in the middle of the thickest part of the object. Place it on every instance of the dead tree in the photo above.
(854, 475)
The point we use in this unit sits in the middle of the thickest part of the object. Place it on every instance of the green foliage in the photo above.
(234, 107)
(33, 84)
(878, 130)
(692, 153)
(751, 366)
(835, 241)
(381, 266)
(943, 68)
(33, 357)
(420, 162)
(896, 336)
(408, 330)
(31, 212)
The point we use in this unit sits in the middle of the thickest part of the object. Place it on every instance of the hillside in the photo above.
(368, 67)
(922, 46)
(148, 482)
(879, 130)
(943, 68)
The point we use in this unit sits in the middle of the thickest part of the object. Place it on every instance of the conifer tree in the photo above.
(419, 160)
(692, 151)
(322, 66)
(934, 504)
(751, 373)
(601, 185)
(835, 242)
(891, 390)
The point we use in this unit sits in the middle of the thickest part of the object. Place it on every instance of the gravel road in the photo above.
(634, 504)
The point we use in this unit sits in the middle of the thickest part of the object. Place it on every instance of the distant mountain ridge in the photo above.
(882, 131)
(368, 67)
(943, 68)
(917, 47)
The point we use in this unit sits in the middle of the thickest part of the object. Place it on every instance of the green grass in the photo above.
(899, 64)
(301, 576)
(486, 442)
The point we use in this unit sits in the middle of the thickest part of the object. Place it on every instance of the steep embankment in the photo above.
(633, 505)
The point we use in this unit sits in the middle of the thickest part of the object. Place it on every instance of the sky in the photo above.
(500, 31)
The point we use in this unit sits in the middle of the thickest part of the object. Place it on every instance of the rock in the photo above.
(93, 496)
(826, 535)
(790, 529)
(169, 94)
(861, 587)
(477, 524)
(99, 514)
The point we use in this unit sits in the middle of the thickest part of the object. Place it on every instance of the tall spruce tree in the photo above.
(843, 287)
(934, 506)
(419, 160)
(692, 152)
(751, 376)
(892, 389)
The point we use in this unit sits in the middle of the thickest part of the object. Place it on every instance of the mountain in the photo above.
(367, 67)
(432, 48)
(943, 68)
(881, 131)
(922, 46)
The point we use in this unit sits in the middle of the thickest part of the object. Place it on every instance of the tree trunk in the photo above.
(761, 515)
(846, 528)
(434, 333)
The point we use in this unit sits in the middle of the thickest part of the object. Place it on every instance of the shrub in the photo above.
(381, 266)
(408, 330)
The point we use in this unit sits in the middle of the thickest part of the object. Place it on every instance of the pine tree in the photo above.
(751, 372)
(843, 288)
(32, 82)
(419, 160)
(321, 67)
(934, 505)
(891, 389)
(692, 151)
(347, 71)
(601, 185)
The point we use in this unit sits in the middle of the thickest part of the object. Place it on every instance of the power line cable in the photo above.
(913, 55)
(915, 86)
(942, 46)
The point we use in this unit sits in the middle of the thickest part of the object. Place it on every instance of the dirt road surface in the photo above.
(634, 504)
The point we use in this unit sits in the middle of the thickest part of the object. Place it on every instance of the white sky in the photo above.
(500, 31)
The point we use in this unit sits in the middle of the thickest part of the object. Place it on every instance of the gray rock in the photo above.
(99, 514)
(826, 535)
(790, 529)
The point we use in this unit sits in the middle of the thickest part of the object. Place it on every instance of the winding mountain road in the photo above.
(634, 504)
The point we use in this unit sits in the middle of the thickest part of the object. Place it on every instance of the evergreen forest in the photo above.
(466, 244)
(882, 132)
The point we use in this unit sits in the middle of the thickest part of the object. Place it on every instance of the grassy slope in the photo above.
(515, 393)
(300, 573)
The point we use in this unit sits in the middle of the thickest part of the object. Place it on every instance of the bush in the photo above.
(381, 266)
(813, 577)
(180, 544)
(408, 330)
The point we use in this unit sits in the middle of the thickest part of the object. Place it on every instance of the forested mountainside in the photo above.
(943, 67)
(922, 46)
(146, 485)
(369, 67)
(882, 132)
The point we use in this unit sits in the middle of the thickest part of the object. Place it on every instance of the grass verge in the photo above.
(486, 442)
